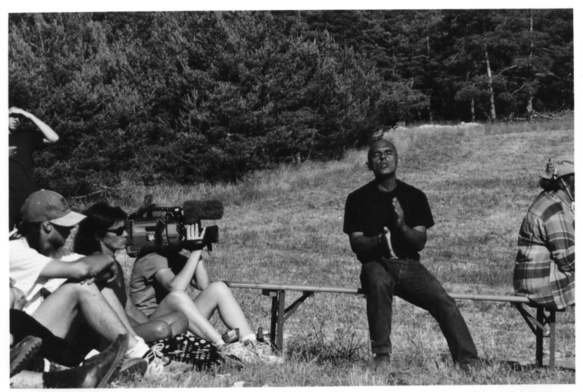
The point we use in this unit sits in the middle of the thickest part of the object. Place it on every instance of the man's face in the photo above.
(382, 159)
(571, 185)
(13, 122)
(59, 236)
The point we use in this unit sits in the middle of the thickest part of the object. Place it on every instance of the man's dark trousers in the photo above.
(410, 280)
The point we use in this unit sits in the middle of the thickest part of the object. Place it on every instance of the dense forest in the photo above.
(193, 97)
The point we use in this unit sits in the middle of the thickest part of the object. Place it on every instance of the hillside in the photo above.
(285, 226)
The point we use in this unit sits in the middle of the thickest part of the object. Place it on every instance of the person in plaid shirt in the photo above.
(545, 264)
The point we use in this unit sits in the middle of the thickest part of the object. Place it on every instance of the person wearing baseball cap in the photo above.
(545, 264)
(49, 206)
(60, 287)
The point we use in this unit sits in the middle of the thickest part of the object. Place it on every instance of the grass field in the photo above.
(285, 226)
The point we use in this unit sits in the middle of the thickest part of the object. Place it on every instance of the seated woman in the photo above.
(103, 231)
(157, 293)
(545, 263)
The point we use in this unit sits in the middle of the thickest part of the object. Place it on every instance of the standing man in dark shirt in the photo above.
(387, 221)
(23, 142)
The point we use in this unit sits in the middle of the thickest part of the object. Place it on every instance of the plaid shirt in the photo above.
(545, 264)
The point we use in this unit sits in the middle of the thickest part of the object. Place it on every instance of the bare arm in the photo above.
(85, 268)
(50, 135)
(167, 279)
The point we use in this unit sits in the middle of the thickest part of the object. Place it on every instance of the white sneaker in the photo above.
(264, 351)
(251, 352)
(159, 364)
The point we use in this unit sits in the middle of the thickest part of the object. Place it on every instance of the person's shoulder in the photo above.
(546, 205)
(365, 189)
(152, 258)
(404, 187)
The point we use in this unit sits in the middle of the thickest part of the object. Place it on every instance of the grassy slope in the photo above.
(285, 226)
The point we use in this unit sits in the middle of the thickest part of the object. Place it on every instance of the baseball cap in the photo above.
(49, 206)
(559, 167)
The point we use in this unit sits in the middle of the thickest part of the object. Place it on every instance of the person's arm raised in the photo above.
(170, 281)
(50, 136)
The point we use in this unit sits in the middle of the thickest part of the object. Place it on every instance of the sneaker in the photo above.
(251, 352)
(23, 353)
(159, 364)
(264, 350)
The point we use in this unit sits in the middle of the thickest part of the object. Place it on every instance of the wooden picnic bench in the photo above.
(280, 313)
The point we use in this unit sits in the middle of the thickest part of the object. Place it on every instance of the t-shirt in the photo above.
(146, 293)
(368, 210)
(26, 265)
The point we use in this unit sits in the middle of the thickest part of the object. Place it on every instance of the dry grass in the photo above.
(285, 226)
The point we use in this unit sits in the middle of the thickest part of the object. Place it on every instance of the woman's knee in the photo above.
(154, 330)
(160, 329)
(176, 298)
(219, 288)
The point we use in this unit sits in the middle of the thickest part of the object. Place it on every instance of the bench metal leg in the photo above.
(539, 336)
(537, 325)
(274, 306)
(279, 313)
(551, 322)
(280, 320)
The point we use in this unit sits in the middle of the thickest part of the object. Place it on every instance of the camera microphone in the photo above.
(195, 210)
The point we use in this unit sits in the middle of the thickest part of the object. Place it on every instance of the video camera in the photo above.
(163, 229)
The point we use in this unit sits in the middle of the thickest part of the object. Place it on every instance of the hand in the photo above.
(385, 242)
(192, 232)
(17, 298)
(400, 214)
(12, 151)
(113, 272)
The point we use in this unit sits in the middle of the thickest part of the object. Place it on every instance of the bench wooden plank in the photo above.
(279, 313)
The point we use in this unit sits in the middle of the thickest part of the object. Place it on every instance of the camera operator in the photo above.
(158, 286)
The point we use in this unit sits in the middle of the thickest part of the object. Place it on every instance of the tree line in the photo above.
(192, 97)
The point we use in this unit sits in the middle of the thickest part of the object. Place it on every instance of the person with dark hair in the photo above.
(544, 270)
(158, 286)
(103, 232)
(63, 289)
(23, 141)
(386, 222)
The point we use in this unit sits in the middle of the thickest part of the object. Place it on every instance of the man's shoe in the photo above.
(129, 366)
(23, 353)
(381, 362)
(472, 365)
(95, 373)
(132, 367)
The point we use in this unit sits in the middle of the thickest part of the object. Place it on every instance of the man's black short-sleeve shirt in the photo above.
(368, 210)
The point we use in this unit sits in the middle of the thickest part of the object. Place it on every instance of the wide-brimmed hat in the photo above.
(49, 206)
(560, 166)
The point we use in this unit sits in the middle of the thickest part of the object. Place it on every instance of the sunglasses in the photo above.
(119, 231)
